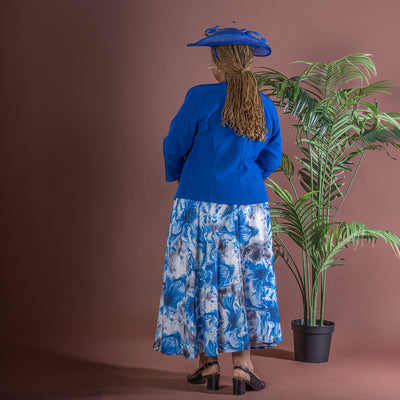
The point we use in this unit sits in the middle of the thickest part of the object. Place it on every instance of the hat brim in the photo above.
(260, 49)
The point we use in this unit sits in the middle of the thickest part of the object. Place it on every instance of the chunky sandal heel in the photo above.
(213, 382)
(197, 377)
(239, 386)
(254, 383)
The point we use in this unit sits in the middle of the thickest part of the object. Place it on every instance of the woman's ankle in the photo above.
(212, 369)
(242, 358)
(203, 359)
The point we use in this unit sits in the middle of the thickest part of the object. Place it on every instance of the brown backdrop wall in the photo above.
(88, 91)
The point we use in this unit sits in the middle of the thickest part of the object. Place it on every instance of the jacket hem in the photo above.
(222, 201)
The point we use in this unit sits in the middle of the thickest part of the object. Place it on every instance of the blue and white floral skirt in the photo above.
(219, 291)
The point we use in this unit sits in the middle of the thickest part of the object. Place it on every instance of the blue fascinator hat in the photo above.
(222, 36)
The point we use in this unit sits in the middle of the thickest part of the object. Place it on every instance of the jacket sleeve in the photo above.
(270, 157)
(180, 137)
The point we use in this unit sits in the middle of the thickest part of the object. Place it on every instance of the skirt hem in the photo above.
(255, 346)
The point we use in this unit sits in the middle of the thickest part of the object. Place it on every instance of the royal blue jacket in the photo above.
(212, 162)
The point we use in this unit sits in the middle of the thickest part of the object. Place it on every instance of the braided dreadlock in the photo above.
(243, 110)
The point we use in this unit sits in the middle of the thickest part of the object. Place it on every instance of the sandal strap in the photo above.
(207, 365)
(242, 368)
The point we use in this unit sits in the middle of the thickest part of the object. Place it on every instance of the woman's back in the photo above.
(216, 164)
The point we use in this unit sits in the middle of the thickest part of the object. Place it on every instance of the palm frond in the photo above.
(296, 218)
(287, 167)
(290, 96)
(341, 235)
(328, 77)
(376, 87)
(378, 139)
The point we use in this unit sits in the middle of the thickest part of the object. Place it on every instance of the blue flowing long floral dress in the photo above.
(219, 291)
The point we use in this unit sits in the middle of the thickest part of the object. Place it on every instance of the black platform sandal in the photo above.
(240, 385)
(212, 379)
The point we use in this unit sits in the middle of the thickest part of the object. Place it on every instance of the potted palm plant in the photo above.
(335, 126)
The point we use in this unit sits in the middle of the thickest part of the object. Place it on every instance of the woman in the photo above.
(219, 291)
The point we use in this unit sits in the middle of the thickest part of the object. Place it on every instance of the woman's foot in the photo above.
(240, 374)
(243, 358)
(208, 370)
(241, 385)
(244, 377)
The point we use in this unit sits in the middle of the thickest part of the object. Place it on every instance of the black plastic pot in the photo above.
(312, 343)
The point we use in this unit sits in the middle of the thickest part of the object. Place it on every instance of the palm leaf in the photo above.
(296, 218)
(290, 96)
(343, 234)
(287, 167)
(328, 77)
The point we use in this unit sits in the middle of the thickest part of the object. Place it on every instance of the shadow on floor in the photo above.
(274, 353)
(33, 373)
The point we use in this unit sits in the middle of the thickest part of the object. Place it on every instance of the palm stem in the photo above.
(298, 275)
(305, 274)
(321, 314)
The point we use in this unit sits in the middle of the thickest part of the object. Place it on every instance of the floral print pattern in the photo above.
(218, 292)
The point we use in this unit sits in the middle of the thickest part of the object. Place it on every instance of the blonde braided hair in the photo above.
(244, 109)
